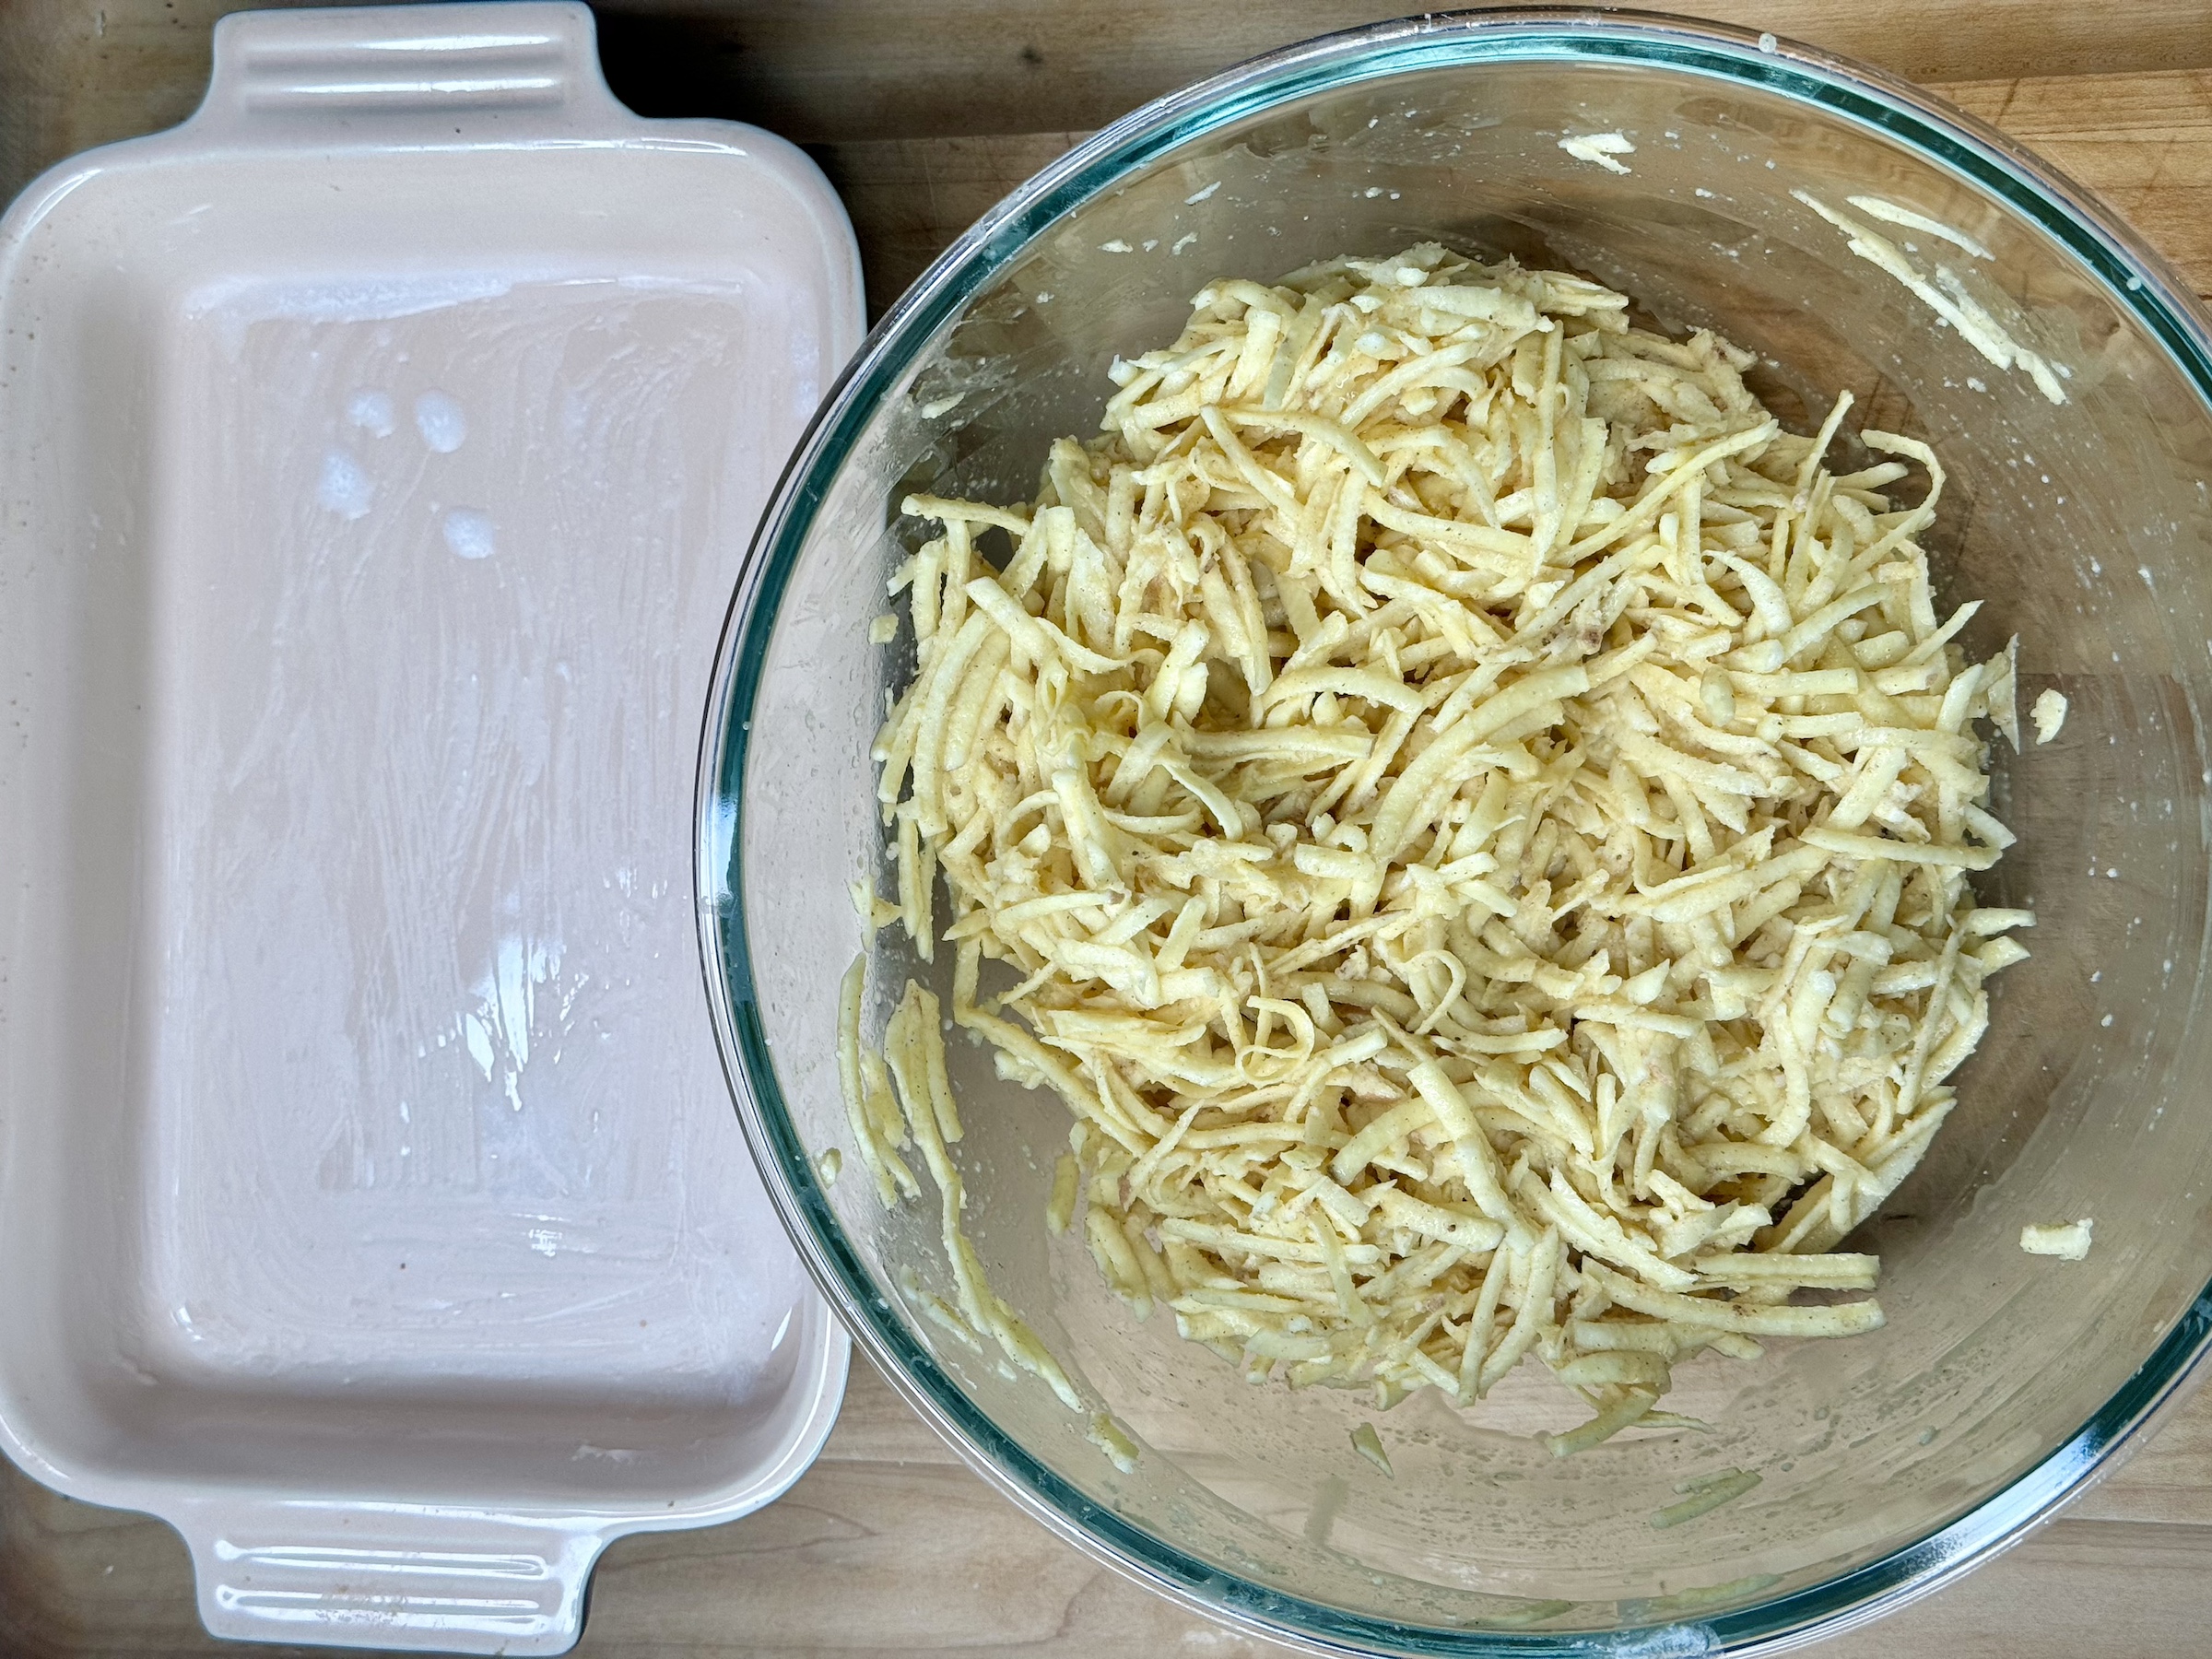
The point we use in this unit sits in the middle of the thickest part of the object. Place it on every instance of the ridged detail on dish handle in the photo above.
(389, 76)
(400, 1576)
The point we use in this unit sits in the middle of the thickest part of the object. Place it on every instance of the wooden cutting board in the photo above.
(924, 112)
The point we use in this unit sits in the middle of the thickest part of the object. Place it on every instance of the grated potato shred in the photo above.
(1478, 819)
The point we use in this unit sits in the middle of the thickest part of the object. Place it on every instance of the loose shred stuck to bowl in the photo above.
(1478, 817)
(2069, 1241)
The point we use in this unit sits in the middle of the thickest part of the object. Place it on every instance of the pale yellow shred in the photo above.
(2068, 1241)
(1882, 208)
(1945, 294)
(2049, 714)
(1112, 1440)
(1369, 1444)
(1474, 819)
(1600, 148)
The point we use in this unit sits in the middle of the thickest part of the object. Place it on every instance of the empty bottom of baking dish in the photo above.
(383, 445)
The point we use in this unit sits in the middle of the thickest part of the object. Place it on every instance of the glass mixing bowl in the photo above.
(2002, 1382)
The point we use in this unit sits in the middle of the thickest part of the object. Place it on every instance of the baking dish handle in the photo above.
(394, 1576)
(409, 76)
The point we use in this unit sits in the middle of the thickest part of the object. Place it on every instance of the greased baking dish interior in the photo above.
(380, 448)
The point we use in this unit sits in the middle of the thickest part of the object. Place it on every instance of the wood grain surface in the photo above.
(924, 112)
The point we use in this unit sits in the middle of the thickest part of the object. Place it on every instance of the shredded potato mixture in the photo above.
(1480, 817)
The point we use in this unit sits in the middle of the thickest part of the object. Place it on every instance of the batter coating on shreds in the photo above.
(1478, 817)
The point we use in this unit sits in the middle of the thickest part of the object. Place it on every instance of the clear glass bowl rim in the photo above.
(2136, 278)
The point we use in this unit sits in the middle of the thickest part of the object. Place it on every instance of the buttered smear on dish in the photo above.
(1478, 818)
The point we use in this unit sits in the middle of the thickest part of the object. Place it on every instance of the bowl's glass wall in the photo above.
(2085, 529)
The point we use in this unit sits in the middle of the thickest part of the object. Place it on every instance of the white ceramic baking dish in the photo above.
(377, 450)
